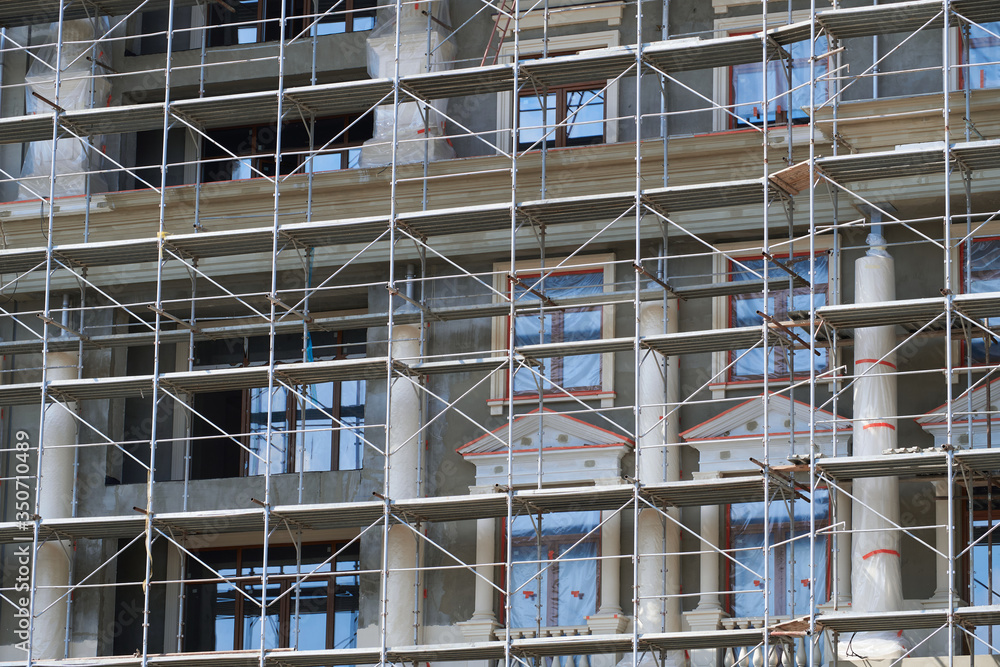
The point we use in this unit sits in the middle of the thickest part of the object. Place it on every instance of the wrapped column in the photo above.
(418, 129)
(78, 89)
(403, 450)
(55, 501)
(875, 558)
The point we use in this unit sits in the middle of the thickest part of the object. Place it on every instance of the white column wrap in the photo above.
(653, 430)
(876, 581)
(485, 550)
(404, 446)
(55, 500)
(399, 620)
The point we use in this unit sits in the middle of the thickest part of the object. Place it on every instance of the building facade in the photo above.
(344, 332)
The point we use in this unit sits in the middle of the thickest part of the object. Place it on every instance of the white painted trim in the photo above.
(497, 400)
(609, 13)
(579, 42)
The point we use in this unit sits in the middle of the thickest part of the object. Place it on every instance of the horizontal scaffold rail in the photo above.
(688, 493)
(933, 463)
(541, 647)
(488, 650)
(358, 96)
(439, 222)
(228, 379)
(913, 313)
(69, 343)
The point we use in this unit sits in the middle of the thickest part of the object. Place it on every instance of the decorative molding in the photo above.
(609, 13)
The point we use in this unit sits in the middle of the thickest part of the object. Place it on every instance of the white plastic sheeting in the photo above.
(77, 90)
(875, 578)
(419, 129)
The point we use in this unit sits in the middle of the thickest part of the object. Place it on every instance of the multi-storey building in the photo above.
(341, 332)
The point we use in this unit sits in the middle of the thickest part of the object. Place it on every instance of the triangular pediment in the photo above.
(747, 420)
(558, 431)
(961, 405)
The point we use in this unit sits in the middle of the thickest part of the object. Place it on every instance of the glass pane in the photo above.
(587, 125)
(748, 86)
(534, 120)
(985, 580)
(278, 446)
(308, 630)
(352, 414)
(984, 53)
(325, 162)
(984, 259)
(252, 619)
(316, 433)
(578, 373)
(782, 304)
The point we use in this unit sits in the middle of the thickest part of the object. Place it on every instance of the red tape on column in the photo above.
(880, 551)
(876, 424)
(874, 361)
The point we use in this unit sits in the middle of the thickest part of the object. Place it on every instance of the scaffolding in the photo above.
(111, 296)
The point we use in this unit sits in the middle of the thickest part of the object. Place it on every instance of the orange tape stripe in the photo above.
(878, 424)
(874, 361)
(880, 551)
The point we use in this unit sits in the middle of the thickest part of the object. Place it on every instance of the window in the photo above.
(781, 305)
(593, 102)
(223, 612)
(984, 265)
(788, 558)
(588, 376)
(319, 433)
(983, 563)
(747, 87)
(548, 591)
(580, 107)
(984, 56)
(253, 21)
(336, 140)
(574, 374)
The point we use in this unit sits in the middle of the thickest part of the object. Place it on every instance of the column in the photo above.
(609, 618)
(875, 568)
(403, 451)
(652, 437)
(55, 500)
(707, 616)
(842, 515)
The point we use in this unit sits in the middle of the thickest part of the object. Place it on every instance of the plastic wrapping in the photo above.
(562, 592)
(788, 566)
(77, 90)
(578, 372)
(744, 314)
(418, 137)
(876, 580)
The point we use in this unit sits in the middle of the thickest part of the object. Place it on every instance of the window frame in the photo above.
(562, 44)
(780, 315)
(560, 138)
(292, 417)
(220, 33)
(500, 397)
(721, 309)
(553, 581)
(259, 160)
(286, 610)
(722, 79)
(963, 249)
(960, 58)
(801, 527)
